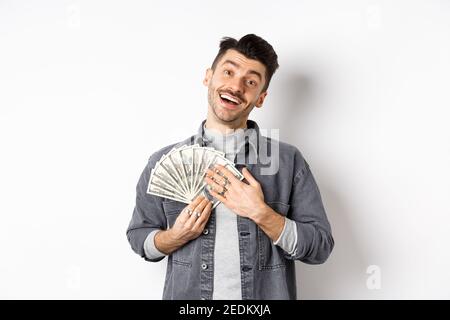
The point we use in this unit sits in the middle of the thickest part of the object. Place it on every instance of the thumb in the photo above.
(248, 176)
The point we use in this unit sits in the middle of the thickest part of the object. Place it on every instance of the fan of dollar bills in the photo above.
(179, 174)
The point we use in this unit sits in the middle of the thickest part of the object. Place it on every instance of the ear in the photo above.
(208, 76)
(260, 100)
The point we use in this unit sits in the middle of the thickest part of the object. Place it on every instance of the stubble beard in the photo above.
(221, 114)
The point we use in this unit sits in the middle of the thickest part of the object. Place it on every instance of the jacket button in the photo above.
(206, 231)
(204, 266)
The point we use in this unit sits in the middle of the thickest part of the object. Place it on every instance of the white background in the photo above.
(89, 89)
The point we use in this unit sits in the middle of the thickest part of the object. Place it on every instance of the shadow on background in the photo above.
(345, 268)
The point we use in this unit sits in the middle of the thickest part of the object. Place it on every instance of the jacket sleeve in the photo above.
(314, 239)
(148, 215)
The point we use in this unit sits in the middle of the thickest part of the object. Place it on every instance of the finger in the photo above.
(189, 209)
(215, 177)
(185, 214)
(220, 180)
(214, 185)
(191, 220)
(248, 176)
(218, 197)
(200, 223)
(196, 202)
(227, 173)
(198, 210)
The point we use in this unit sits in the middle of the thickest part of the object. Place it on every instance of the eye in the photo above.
(251, 83)
(227, 72)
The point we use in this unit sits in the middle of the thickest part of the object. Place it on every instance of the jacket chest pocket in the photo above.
(182, 256)
(271, 256)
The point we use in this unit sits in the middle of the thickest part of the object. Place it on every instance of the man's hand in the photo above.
(246, 200)
(192, 220)
(188, 226)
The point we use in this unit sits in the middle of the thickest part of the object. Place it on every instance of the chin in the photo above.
(226, 117)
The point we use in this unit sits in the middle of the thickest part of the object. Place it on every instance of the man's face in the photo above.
(235, 87)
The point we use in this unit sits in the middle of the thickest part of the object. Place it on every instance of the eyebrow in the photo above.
(238, 66)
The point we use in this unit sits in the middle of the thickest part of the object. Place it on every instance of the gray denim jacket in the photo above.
(267, 271)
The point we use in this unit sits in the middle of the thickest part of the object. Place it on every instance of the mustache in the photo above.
(234, 95)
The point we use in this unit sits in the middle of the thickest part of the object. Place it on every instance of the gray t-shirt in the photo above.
(227, 265)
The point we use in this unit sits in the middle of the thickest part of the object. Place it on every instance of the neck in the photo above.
(224, 127)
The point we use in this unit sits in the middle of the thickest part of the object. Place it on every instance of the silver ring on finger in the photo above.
(222, 193)
(197, 213)
(225, 182)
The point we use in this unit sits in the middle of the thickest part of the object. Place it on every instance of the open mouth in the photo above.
(229, 100)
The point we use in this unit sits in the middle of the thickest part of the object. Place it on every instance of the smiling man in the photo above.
(245, 248)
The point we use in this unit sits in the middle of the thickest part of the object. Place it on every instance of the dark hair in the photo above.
(253, 47)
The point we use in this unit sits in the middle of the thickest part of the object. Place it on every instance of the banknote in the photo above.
(179, 174)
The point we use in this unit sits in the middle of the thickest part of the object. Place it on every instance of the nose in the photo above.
(236, 85)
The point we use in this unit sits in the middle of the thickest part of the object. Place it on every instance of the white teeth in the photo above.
(229, 98)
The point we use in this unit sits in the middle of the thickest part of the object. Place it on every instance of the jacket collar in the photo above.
(247, 154)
